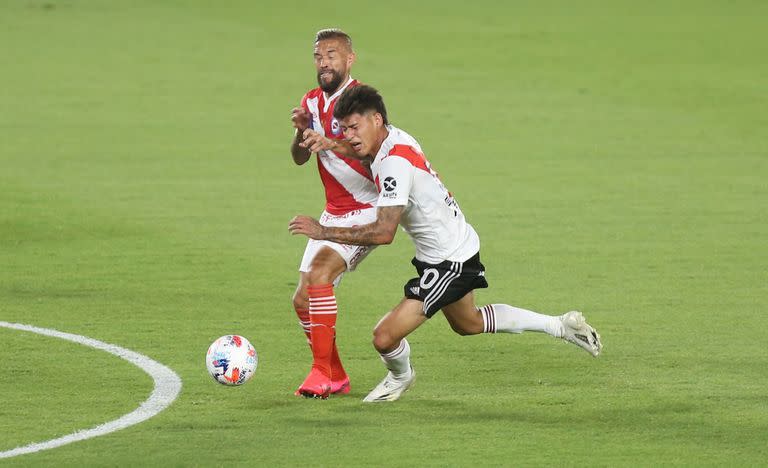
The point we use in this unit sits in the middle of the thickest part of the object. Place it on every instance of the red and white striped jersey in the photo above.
(432, 217)
(348, 185)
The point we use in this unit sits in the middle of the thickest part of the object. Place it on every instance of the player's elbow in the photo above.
(300, 155)
(386, 237)
(385, 240)
(299, 158)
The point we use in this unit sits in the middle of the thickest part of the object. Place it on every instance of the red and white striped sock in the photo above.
(322, 318)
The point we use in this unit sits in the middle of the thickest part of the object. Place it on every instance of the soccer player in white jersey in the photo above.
(447, 247)
(350, 197)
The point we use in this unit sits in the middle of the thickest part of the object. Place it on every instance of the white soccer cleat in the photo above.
(576, 330)
(390, 389)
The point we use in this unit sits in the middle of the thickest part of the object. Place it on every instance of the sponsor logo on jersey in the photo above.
(415, 290)
(389, 185)
(335, 127)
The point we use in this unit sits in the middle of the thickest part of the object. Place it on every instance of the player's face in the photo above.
(333, 60)
(363, 132)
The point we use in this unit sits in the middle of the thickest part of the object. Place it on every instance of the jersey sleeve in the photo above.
(395, 181)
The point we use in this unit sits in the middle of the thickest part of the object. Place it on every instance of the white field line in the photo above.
(167, 388)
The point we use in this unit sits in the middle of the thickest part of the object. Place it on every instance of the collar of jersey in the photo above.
(386, 145)
(328, 100)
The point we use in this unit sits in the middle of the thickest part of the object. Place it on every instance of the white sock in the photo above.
(398, 361)
(503, 318)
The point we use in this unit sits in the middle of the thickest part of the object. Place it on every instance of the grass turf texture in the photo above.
(613, 159)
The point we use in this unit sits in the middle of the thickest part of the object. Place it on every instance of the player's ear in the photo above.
(351, 58)
(378, 119)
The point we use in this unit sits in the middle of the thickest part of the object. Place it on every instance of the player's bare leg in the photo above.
(301, 305)
(463, 316)
(466, 319)
(315, 303)
(389, 340)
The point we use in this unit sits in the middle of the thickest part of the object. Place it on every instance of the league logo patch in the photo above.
(335, 127)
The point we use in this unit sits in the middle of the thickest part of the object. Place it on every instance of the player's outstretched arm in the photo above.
(300, 120)
(380, 232)
(315, 142)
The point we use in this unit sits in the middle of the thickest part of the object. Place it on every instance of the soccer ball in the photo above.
(231, 360)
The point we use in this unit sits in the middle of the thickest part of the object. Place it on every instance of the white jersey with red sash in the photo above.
(348, 185)
(432, 217)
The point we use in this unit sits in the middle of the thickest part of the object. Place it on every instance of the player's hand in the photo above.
(300, 118)
(315, 142)
(305, 225)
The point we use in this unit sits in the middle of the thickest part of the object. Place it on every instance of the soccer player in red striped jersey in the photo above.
(447, 256)
(350, 196)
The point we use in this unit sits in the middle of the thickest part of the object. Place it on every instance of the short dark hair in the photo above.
(333, 33)
(359, 100)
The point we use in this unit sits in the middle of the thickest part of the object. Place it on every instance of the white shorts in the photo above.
(352, 254)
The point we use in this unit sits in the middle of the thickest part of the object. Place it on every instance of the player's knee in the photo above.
(383, 341)
(320, 275)
(300, 301)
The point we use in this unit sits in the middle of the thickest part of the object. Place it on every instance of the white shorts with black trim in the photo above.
(352, 254)
(445, 283)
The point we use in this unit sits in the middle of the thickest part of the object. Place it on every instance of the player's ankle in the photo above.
(324, 370)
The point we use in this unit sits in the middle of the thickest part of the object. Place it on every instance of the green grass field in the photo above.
(612, 156)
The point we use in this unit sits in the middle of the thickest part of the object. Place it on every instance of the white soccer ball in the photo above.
(231, 360)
